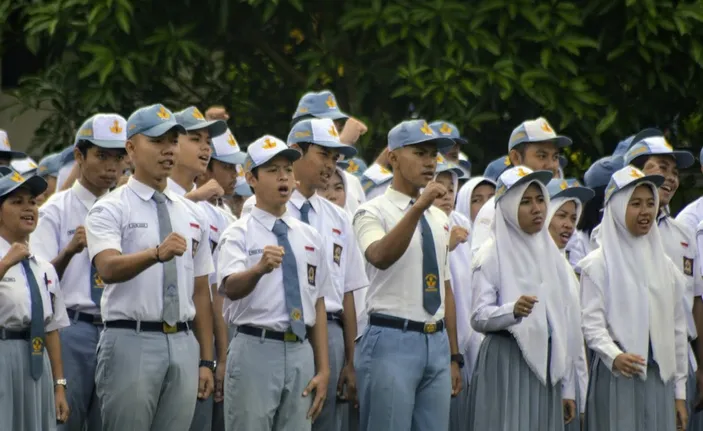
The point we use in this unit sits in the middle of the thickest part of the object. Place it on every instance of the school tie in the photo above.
(304, 211)
(96, 286)
(291, 286)
(170, 283)
(36, 327)
(431, 298)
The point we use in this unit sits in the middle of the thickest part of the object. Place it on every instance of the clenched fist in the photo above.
(271, 258)
(174, 245)
(433, 191)
(16, 253)
(78, 242)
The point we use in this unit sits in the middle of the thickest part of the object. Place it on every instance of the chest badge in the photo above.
(195, 247)
(337, 254)
(312, 272)
(430, 283)
(688, 266)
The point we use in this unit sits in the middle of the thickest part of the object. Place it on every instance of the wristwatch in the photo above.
(459, 359)
(60, 382)
(208, 364)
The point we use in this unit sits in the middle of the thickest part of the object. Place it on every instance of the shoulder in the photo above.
(593, 266)
(681, 228)
(335, 211)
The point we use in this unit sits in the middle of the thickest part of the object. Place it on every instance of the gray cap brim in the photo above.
(238, 158)
(583, 194)
(36, 185)
(214, 127)
(111, 145)
(684, 159)
(162, 129)
(243, 190)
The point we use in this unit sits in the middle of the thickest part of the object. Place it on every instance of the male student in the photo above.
(453, 154)
(533, 144)
(60, 238)
(692, 214)
(407, 360)
(272, 266)
(49, 169)
(145, 243)
(318, 141)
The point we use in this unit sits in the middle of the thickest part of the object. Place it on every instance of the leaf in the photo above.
(128, 70)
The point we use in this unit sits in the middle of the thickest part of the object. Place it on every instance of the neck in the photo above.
(97, 192)
(158, 184)
(306, 190)
(183, 177)
(12, 236)
(273, 209)
(405, 187)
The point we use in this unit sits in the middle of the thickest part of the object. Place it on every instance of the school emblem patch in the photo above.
(430, 282)
(163, 114)
(337, 254)
(98, 281)
(688, 266)
(312, 272)
(195, 247)
(37, 346)
(296, 314)
(352, 167)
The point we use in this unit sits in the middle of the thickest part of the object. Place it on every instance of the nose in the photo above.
(569, 225)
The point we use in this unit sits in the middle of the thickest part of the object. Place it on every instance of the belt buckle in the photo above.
(430, 328)
(169, 329)
(289, 337)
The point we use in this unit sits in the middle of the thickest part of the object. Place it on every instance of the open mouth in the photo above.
(538, 220)
(666, 188)
(644, 223)
(283, 190)
(565, 236)
(27, 218)
(204, 159)
(166, 164)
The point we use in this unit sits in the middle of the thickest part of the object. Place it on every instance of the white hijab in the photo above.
(463, 197)
(522, 264)
(639, 283)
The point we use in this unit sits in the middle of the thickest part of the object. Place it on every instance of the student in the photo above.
(453, 154)
(48, 169)
(473, 195)
(497, 167)
(654, 156)
(32, 383)
(376, 180)
(225, 162)
(641, 355)
(151, 253)
(60, 238)
(6, 152)
(524, 301)
(692, 214)
(533, 144)
(335, 191)
(408, 358)
(272, 267)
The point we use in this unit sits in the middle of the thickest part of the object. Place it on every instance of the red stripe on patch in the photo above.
(685, 244)
(337, 231)
(446, 228)
(308, 248)
(213, 228)
(195, 225)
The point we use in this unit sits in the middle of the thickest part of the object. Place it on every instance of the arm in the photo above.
(390, 247)
(53, 348)
(582, 374)
(594, 323)
(450, 318)
(487, 315)
(349, 323)
(236, 281)
(240, 285)
(62, 260)
(681, 340)
(318, 338)
(115, 267)
(203, 316)
(220, 326)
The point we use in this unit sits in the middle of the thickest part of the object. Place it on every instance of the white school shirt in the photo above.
(240, 249)
(15, 298)
(341, 251)
(63, 174)
(692, 215)
(59, 218)
(577, 248)
(354, 192)
(482, 230)
(397, 291)
(126, 220)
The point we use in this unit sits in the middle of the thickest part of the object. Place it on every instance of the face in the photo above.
(479, 196)
(641, 211)
(415, 163)
(315, 168)
(538, 156)
(100, 167)
(446, 202)
(334, 192)
(153, 157)
(225, 174)
(50, 189)
(532, 210)
(453, 154)
(666, 167)
(274, 182)
(561, 228)
(18, 213)
(194, 150)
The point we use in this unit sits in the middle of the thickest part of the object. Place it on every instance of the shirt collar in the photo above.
(145, 192)
(85, 196)
(401, 200)
(663, 214)
(267, 219)
(297, 199)
(176, 188)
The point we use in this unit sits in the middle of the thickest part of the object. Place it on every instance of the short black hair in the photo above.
(639, 162)
(304, 146)
(84, 145)
(297, 120)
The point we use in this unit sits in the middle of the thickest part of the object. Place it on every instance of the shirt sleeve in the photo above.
(698, 270)
(44, 241)
(487, 315)
(688, 216)
(231, 255)
(355, 271)
(594, 323)
(202, 261)
(681, 340)
(59, 318)
(103, 229)
(368, 228)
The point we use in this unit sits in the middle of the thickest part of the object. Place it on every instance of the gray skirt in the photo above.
(575, 424)
(25, 404)
(459, 407)
(695, 420)
(621, 403)
(505, 395)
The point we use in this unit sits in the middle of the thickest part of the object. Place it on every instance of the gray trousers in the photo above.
(218, 412)
(147, 380)
(203, 416)
(79, 343)
(264, 385)
(331, 417)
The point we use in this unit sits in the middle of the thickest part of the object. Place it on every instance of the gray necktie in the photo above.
(291, 285)
(304, 211)
(170, 287)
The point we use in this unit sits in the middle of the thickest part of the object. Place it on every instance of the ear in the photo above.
(251, 179)
(78, 155)
(515, 157)
(130, 147)
(393, 158)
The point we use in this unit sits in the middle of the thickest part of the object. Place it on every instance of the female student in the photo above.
(32, 384)
(473, 194)
(633, 317)
(520, 303)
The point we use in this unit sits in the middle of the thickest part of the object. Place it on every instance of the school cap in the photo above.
(11, 180)
(658, 145)
(624, 145)
(5, 149)
(319, 105)
(600, 172)
(103, 130)
(355, 166)
(629, 176)
(226, 149)
(152, 121)
(518, 175)
(24, 166)
(444, 165)
(413, 132)
(322, 132)
(192, 119)
(497, 167)
(50, 165)
(537, 130)
(448, 130)
(465, 163)
(67, 155)
(563, 188)
(241, 187)
(266, 148)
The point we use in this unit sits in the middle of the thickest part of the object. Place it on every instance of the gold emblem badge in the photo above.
(231, 141)
(303, 110)
(564, 185)
(197, 114)
(115, 128)
(687, 266)
(98, 281)
(430, 282)
(506, 162)
(331, 103)
(163, 114)
(546, 127)
(337, 254)
(426, 129)
(37, 345)
(440, 158)
(384, 170)
(445, 129)
(333, 131)
(352, 168)
(303, 134)
(16, 177)
(312, 271)
(296, 314)
(268, 144)
(634, 173)
(521, 172)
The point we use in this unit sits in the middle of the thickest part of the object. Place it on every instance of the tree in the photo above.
(598, 72)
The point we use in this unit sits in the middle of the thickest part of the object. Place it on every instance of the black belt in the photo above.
(84, 317)
(335, 317)
(268, 333)
(150, 326)
(14, 334)
(405, 324)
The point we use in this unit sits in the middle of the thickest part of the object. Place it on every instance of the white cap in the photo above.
(5, 146)
(24, 166)
(537, 130)
(226, 149)
(266, 148)
(104, 130)
(519, 175)
(629, 175)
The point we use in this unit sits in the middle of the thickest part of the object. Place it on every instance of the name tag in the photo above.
(256, 251)
(138, 225)
(71, 232)
(8, 280)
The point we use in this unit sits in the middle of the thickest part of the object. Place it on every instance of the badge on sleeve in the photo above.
(312, 272)
(195, 247)
(337, 254)
(688, 266)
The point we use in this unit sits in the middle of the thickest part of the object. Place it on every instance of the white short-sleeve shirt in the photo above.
(398, 290)
(126, 220)
(354, 192)
(483, 231)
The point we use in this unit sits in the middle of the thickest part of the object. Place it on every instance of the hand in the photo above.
(271, 258)
(207, 192)
(78, 242)
(352, 131)
(681, 415)
(569, 410)
(216, 113)
(205, 383)
(347, 380)
(524, 305)
(319, 385)
(459, 235)
(174, 245)
(628, 364)
(62, 409)
(16, 253)
(220, 381)
(457, 382)
(382, 158)
(433, 191)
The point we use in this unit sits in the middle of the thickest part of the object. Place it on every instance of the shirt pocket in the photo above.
(312, 269)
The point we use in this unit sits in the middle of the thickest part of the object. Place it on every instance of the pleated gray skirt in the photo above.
(505, 395)
(695, 420)
(459, 407)
(25, 404)
(623, 404)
